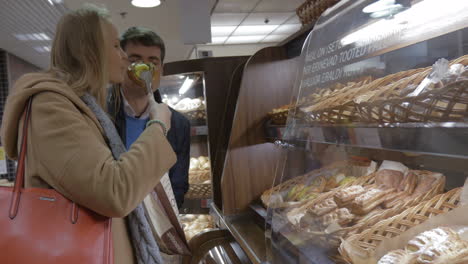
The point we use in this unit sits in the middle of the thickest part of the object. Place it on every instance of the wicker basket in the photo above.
(333, 239)
(367, 241)
(199, 176)
(339, 106)
(442, 105)
(196, 114)
(199, 191)
(279, 117)
(311, 10)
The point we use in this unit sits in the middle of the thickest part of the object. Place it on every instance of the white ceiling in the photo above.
(239, 19)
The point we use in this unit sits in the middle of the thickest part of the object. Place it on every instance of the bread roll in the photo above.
(388, 178)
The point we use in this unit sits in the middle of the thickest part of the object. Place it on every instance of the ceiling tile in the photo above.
(273, 18)
(227, 19)
(244, 39)
(293, 20)
(222, 31)
(278, 5)
(274, 38)
(235, 6)
(287, 29)
(254, 30)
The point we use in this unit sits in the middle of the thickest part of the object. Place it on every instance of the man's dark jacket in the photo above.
(178, 137)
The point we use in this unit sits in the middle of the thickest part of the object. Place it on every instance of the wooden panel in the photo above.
(218, 72)
(267, 82)
(226, 126)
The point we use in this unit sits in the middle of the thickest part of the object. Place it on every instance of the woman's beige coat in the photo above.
(67, 152)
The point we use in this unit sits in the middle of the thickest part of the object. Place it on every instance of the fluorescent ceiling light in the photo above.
(244, 39)
(186, 85)
(287, 29)
(422, 18)
(254, 30)
(146, 3)
(218, 40)
(42, 49)
(34, 36)
(274, 38)
(222, 31)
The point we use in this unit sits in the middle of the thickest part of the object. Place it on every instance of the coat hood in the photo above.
(29, 85)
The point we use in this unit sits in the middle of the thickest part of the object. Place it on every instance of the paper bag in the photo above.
(164, 222)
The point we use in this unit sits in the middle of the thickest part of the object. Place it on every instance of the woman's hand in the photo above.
(159, 112)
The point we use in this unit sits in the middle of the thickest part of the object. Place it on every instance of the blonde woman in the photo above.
(72, 146)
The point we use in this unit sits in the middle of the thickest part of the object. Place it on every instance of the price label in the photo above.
(199, 130)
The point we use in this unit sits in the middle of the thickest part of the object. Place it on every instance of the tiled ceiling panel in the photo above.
(278, 6)
(227, 19)
(272, 18)
(27, 28)
(236, 6)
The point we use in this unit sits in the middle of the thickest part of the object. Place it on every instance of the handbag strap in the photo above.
(20, 172)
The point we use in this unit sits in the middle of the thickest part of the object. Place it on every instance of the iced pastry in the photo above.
(399, 256)
(324, 207)
(370, 199)
(342, 216)
(347, 195)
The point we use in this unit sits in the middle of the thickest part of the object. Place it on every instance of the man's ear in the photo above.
(162, 69)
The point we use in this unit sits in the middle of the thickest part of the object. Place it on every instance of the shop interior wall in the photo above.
(218, 72)
(251, 161)
(11, 68)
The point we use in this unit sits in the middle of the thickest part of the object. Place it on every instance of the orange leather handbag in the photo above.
(40, 226)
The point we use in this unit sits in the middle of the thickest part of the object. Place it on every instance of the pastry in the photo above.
(347, 195)
(333, 181)
(346, 180)
(324, 207)
(423, 241)
(388, 178)
(425, 181)
(409, 183)
(342, 216)
(439, 246)
(370, 199)
(398, 256)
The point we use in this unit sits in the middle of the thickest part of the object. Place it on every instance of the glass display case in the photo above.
(376, 139)
(185, 93)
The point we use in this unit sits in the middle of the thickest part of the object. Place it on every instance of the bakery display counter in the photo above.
(374, 141)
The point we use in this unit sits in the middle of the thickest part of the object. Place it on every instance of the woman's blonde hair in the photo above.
(79, 51)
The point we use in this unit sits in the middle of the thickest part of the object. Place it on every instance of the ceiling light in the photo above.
(244, 39)
(52, 2)
(218, 40)
(42, 49)
(34, 36)
(287, 29)
(222, 31)
(254, 30)
(422, 18)
(274, 38)
(146, 3)
(186, 85)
